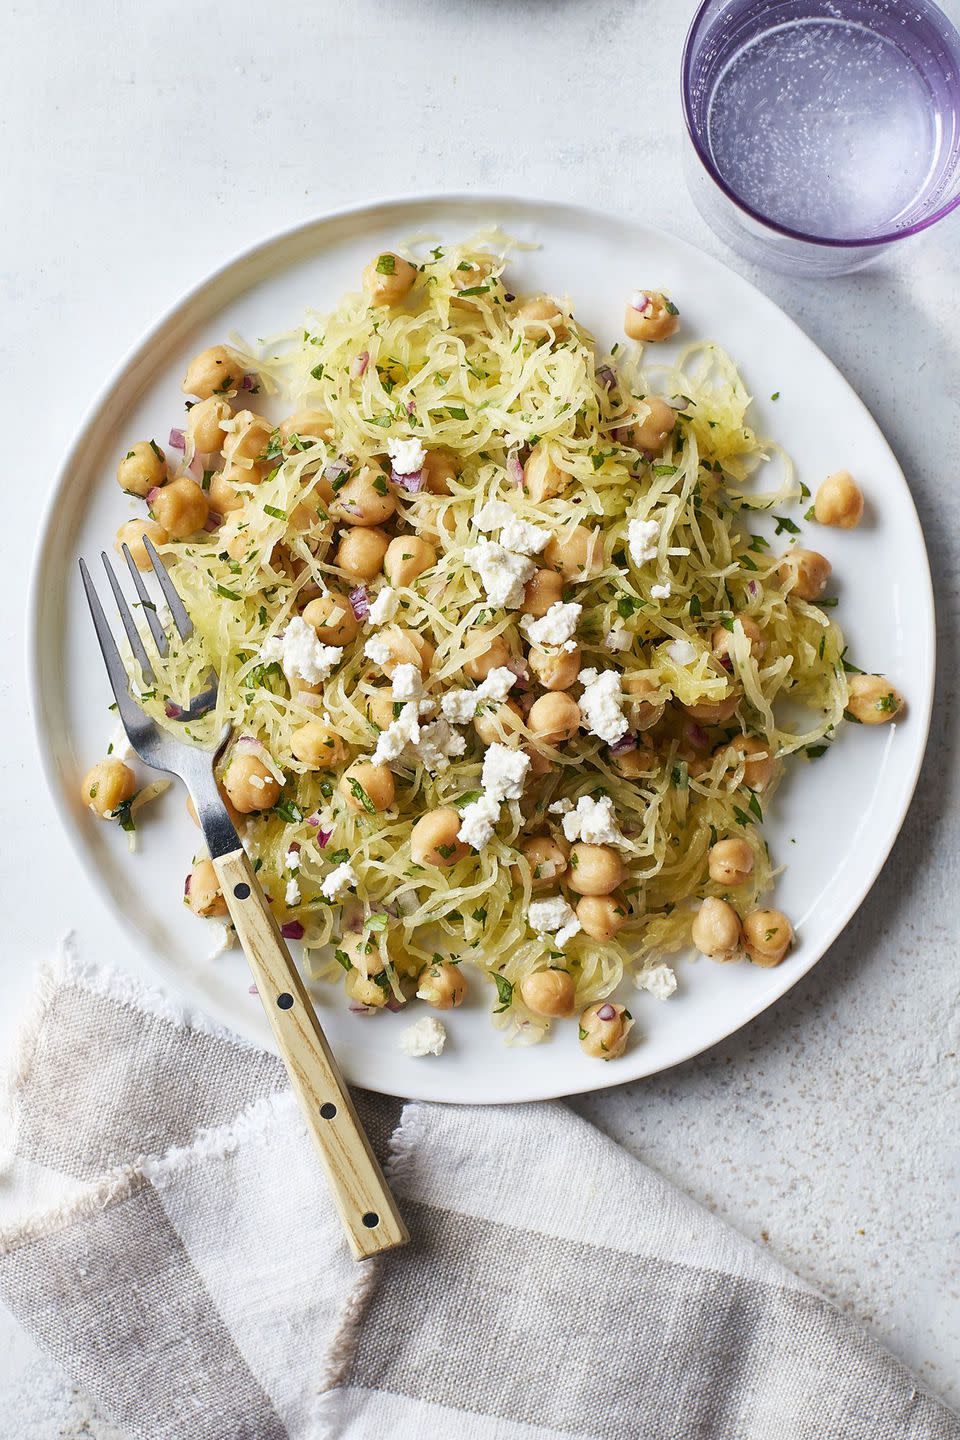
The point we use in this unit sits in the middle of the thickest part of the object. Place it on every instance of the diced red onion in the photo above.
(361, 1010)
(177, 440)
(195, 468)
(213, 522)
(335, 469)
(411, 407)
(359, 365)
(292, 930)
(412, 483)
(696, 735)
(606, 1012)
(519, 669)
(152, 494)
(359, 602)
(607, 376)
(172, 711)
(514, 468)
(323, 838)
(393, 1004)
(186, 884)
(641, 302)
(248, 381)
(252, 990)
(294, 846)
(753, 589)
(248, 742)
(627, 742)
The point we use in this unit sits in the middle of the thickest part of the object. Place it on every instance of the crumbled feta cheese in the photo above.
(660, 592)
(660, 980)
(642, 536)
(301, 655)
(477, 821)
(554, 917)
(406, 456)
(560, 807)
(378, 649)
(618, 639)
(257, 781)
(407, 683)
(344, 877)
(384, 607)
(401, 732)
(460, 706)
(595, 823)
(292, 860)
(292, 896)
(523, 538)
(438, 744)
(427, 1037)
(556, 627)
(504, 772)
(600, 705)
(503, 573)
(493, 515)
(681, 652)
(587, 677)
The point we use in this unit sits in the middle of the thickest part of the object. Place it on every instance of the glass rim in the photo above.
(706, 160)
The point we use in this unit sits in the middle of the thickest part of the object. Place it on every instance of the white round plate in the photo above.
(832, 822)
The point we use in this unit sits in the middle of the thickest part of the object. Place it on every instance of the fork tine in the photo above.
(130, 712)
(149, 609)
(129, 624)
(177, 609)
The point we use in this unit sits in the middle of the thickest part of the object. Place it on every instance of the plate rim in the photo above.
(608, 1076)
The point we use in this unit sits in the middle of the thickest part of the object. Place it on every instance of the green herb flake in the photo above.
(158, 452)
(358, 793)
(785, 523)
(274, 512)
(680, 776)
(504, 993)
(227, 594)
(386, 265)
(317, 372)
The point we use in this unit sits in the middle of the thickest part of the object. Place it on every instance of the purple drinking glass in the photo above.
(822, 130)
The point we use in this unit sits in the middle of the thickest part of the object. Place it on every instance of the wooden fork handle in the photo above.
(367, 1208)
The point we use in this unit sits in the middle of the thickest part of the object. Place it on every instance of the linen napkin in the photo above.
(165, 1233)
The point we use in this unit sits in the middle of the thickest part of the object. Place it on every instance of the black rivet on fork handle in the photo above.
(285, 1001)
(328, 1110)
(242, 891)
(370, 1219)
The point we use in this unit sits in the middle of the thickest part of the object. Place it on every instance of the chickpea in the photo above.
(108, 786)
(216, 371)
(361, 551)
(601, 916)
(132, 535)
(203, 892)
(553, 718)
(490, 656)
(142, 469)
(406, 647)
(537, 317)
(205, 424)
(318, 746)
(721, 640)
(555, 669)
(757, 772)
(730, 861)
(595, 869)
(380, 708)
(309, 517)
(365, 785)
(249, 784)
(632, 764)
(434, 520)
(502, 724)
(716, 930)
(542, 477)
(441, 985)
(577, 555)
(439, 468)
(549, 992)
(653, 318)
(433, 840)
(331, 615)
(546, 857)
(543, 589)
(651, 433)
(360, 988)
(235, 473)
(839, 501)
(468, 280)
(643, 711)
(181, 508)
(222, 498)
(248, 440)
(367, 499)
(767, 936)
(235, 817)
(715, 712)
(804, 573)
(540, 764)
(604, 1028)
(407, 557)
(388, 279)
(872, 700)
(307, 425)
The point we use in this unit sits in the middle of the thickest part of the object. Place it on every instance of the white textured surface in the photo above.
(142, 145)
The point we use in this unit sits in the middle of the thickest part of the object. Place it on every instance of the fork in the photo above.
(360, 1192)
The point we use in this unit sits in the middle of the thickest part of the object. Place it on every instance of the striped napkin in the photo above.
(166, 1235)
